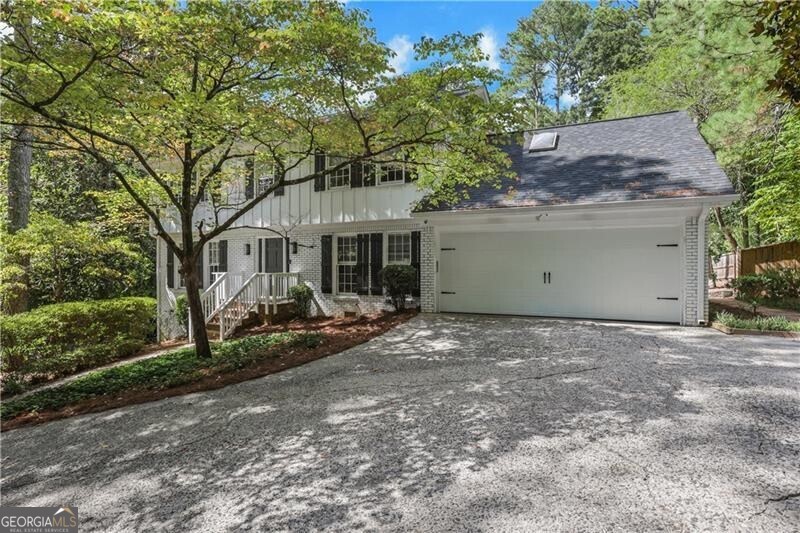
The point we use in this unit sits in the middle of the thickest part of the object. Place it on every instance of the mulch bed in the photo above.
(340, 334)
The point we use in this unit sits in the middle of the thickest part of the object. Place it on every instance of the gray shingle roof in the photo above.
(637, 158)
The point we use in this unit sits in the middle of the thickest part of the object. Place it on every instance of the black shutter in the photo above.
(170, 268)
(279, 191)
(376, 263)
(319, 166)
(327, 264)
(415, 256)
(199, 267)
(261, 255)
(369, 174)
(409, 174)
(286, 259)
(223, 256)
(250, 179)
(356, 173)
(362, 264)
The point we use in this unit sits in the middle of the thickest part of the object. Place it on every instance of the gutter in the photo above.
(697, 201)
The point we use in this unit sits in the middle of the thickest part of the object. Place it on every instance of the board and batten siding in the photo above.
(302, 205)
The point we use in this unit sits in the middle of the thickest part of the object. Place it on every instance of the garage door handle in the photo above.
(548, 277)
(663, 298)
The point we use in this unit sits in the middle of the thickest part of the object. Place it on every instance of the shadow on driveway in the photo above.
(450, 422)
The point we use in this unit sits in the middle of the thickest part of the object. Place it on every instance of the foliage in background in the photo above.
(777, 287)
(186, 91)
(72, 261)
(158, 373)
(780, 20)
(85, 239)
(399, 281)
(56, 340)
(182, 311)
(301, 295)
(776, 197)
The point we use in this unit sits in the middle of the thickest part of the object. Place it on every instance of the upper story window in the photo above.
(392, 174)
(266, 179)
(399, 249)
(340, 178)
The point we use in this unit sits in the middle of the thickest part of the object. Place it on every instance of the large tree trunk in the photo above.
(726, 231)
(199, 332)
(745, 231)
(19, 206)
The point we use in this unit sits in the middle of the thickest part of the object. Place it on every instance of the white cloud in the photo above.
(568, 100)
(489, 46)
(403, 49)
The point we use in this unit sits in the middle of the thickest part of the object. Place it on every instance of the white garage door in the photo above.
(622, 274)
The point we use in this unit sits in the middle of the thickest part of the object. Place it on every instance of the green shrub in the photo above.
(773, 286)
(399, 281)
(301, 295)
(762, 323)
(751, 289)
(169, 370)
(182, 310)
(61, 339)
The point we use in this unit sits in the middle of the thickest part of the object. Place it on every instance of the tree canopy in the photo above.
(170, 97)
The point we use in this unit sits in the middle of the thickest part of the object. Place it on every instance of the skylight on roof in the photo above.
(541, 142)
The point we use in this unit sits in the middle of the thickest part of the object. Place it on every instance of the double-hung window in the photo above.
(392, 174)
(213, 260)
(266, 179)
(341, 177)
(346, 259)
(399, 249)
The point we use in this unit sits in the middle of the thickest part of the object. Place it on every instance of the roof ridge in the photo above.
(592, 122)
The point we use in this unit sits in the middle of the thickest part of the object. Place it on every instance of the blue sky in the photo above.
(401, 24)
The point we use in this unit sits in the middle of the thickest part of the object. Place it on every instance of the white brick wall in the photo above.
(308, 262)
(695, 285)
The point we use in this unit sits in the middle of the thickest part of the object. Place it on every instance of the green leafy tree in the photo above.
(544, 45)
(72, 262)
(178, 94)
(780, 20)
(776, 198)
(613, 42)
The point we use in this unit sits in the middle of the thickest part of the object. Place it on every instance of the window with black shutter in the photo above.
(415, 259)
(376, 263)
(170, 268)
(362, 264)
(327, 264)
(250, 178)
(369, 172)
(319, 166)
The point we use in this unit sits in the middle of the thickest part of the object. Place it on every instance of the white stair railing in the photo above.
(279, 285)
(215, 296)
(238, 307)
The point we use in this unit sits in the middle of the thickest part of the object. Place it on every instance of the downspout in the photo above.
(702, 262)
(158, 289)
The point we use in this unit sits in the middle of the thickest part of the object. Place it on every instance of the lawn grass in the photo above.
(163, 372)
(762, 323)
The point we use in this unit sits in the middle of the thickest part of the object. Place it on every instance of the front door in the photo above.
(272, 251)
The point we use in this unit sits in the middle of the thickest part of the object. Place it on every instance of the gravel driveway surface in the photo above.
(459, 423)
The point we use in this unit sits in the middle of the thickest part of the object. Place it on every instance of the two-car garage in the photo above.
(619, 274)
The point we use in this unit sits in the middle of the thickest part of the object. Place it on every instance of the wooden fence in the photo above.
(756, 260)
(770, 257)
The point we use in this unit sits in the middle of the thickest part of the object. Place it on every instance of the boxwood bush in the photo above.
(61, 339)
(399, 281)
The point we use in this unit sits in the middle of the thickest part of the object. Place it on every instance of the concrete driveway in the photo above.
(451, 423)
